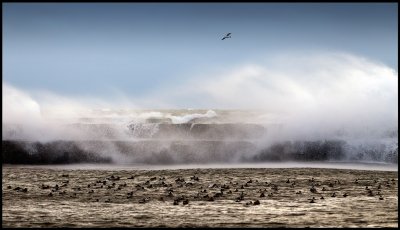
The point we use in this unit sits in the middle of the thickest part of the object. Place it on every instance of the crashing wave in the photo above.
(189, 136)
(194, 151)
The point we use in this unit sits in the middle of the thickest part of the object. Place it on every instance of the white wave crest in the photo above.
(189, 117)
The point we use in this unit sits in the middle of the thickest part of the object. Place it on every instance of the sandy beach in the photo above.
(218, 197)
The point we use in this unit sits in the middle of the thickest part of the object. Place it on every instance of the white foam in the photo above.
(189, 117)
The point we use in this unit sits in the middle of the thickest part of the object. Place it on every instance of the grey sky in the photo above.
(98, 49)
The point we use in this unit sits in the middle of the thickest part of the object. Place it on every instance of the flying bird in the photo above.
(228, 35)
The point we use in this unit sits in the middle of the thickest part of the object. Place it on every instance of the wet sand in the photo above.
(217, 197)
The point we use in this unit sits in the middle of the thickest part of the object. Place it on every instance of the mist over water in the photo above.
(312, 106)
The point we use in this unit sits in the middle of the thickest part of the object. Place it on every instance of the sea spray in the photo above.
(325, 107)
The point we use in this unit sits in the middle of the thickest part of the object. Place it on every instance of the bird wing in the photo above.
(228, 34)
(223, 38)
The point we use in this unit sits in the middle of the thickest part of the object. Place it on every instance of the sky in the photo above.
(148, 51)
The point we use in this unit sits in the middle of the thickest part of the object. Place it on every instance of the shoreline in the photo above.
(369, 166)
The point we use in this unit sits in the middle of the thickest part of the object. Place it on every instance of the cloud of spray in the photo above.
(17, 105)
(49, 117)
(308, 96)
(311, 93)
(21, 110)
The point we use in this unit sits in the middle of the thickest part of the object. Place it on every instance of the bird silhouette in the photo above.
(228, 35)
